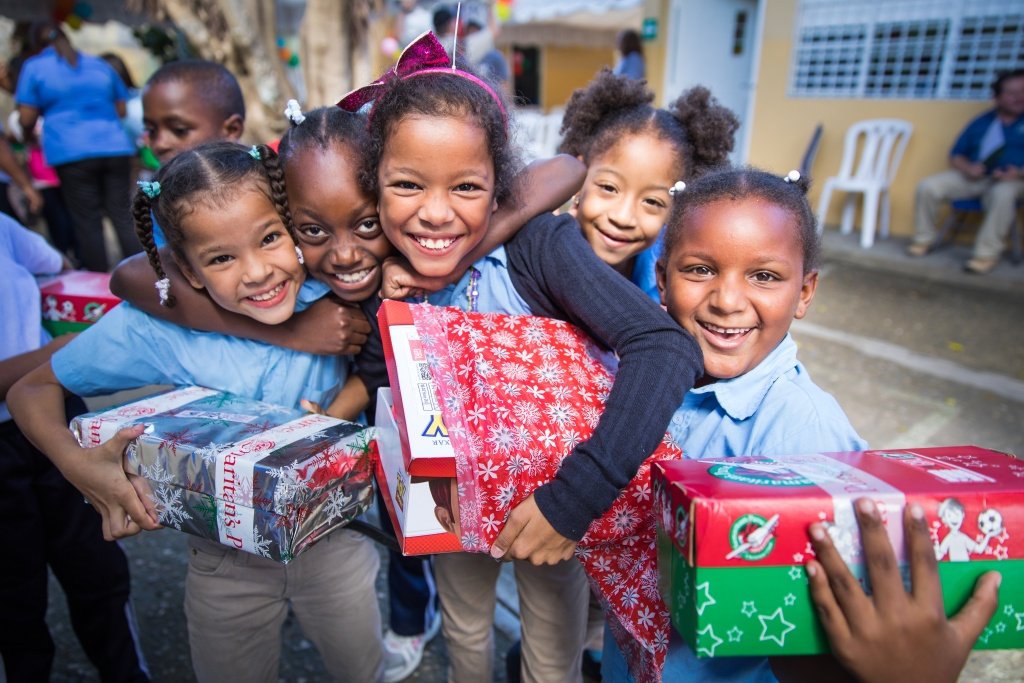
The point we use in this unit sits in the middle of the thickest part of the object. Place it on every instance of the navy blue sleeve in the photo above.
(370, 364)
(557, 273)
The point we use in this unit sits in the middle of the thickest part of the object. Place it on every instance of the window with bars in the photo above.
(923, 49)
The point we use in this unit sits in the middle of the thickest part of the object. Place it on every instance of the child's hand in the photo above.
(99, 474)
(311, 407)
(329, 328)
(529, 536)
(894, 635)
(400, 281)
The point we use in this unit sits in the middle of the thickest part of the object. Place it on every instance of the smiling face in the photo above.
(625, 201)
(337, 224)
(735, 281)
(240, 252)
(175, 120)
(436, 182)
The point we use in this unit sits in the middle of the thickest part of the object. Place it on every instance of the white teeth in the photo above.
(357, 276)
(269, 295)
(428, 243)
(726, 330)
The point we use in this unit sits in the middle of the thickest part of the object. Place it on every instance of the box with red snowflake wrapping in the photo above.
(732, 538)
(253, 476)
(75, 299)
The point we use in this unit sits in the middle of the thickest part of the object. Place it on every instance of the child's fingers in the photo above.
(879, 558)
(829, 612)
(847, 590)
(924, 573)
(974, 615)
(513, 527)
(311, 407)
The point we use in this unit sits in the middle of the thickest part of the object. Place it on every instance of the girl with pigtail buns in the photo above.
(225, 213)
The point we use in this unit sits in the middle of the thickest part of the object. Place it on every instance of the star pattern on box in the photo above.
(707, 641)
(734, 634)
(775, 627)
(789, 600)
(518, 394)
(749, 608)
(796, 573)
(1019, 616)
(706, 600)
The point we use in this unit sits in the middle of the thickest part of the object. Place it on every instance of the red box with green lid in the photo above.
(732, 538)
(75, 299)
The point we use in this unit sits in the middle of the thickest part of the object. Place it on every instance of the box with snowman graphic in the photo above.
(732, 538)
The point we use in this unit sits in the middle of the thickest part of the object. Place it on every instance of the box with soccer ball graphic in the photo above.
(732, 538)
(253, 476)
(75, 299)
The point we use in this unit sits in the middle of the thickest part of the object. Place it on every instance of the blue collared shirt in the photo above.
(140, 350)
(644, 267)
(497, 294)
(79, 106)
(775, 409)
(1011, 154)
(23, 255)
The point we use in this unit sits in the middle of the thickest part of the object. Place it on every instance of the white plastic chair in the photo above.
(871, 154)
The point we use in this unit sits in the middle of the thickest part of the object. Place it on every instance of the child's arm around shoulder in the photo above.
(327, 327)
(545, 185)
(558, 274)
(37, 404)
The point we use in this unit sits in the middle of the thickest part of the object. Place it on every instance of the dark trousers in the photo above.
(58, 221)
(5, 202)
(46, 522)
(412, 595)
(92, 188)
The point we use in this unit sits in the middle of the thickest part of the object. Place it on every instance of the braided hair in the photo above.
(322, 129)
(788, 193)
(611, 108)
(212, 174)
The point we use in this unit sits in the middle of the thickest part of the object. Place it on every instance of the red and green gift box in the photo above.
(732, 538)
(253, 476)
(75, 299)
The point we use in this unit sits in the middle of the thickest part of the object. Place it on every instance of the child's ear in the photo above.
(189, 274)
(660, 276)
(445, 519)
(807, 289)
(233, 127)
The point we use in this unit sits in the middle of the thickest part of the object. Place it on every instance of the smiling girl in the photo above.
(235, 603)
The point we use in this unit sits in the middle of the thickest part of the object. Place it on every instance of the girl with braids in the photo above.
(235, 603)
(636, 155)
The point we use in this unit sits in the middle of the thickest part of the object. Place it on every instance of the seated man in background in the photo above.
(988, 162)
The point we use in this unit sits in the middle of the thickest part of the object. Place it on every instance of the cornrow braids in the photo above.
(735, 184)
(278, 192)
(142, 211)
(324, 128)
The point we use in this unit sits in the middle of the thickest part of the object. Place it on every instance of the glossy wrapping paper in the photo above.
(253, 476)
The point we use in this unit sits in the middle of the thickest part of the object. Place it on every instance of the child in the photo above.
(740, 264)
(41, 514)
(441, 163)
(235, 603)
(635, 155)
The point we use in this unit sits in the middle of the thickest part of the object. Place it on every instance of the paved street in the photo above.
(916, 352)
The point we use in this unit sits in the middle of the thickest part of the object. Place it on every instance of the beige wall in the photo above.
(563, 69)
(654, 50)
(782, 125)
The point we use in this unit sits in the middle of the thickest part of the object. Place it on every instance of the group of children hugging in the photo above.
(690, 270)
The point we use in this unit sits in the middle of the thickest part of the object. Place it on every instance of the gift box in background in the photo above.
(732, 538)
(75, 299)
(409, 502)
(253, 476)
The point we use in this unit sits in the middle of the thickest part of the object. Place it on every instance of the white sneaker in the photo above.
(402, 654)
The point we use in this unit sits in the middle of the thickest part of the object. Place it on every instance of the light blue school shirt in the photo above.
(23, 255)
(644, 265)
(497, 294)
(128, 348)
(773, 410)
(78, 103)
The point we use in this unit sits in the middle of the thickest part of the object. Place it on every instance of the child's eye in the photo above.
(763, 276)
(702, 271)
(466, 187)
(368, 228)
(220, 260)
(654, 203)
(270, 238)
(605, 187)
(180, 132)
(313, 232)
(405, 185)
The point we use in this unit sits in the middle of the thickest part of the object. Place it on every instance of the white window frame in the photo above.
(947, 63)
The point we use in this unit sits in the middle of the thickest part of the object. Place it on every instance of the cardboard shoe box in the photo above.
(732, 538)
(75, 299)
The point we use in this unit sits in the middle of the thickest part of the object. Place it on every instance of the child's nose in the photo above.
(622, 215)
(344, 253)
(728, 296)
(256, 270)
(436, 209)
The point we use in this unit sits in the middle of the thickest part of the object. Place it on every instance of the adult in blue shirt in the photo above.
(83, 100)
(632, 61)
(987, 161)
